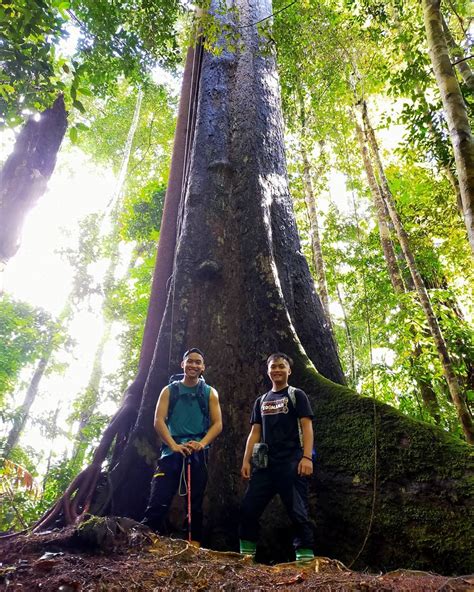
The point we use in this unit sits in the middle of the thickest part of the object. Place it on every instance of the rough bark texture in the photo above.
(25, 174)
(241, 289)
(454, 108)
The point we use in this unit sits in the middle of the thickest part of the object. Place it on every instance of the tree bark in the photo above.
(241, 289)
(455, 110)
(435, 330)
(25, 174)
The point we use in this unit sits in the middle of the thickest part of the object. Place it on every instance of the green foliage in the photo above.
(25, 334)
(80, 48)
(29, 66)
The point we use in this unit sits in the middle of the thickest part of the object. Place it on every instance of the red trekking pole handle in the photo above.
(188, 462)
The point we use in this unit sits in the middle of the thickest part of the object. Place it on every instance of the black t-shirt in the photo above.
(279, 420)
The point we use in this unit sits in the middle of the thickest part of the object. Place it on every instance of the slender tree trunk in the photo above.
(399, 285)
(25, 174)
(445, 166)
(384, 231)
(455, 110)
(428, 395)
(350, 341)
(316, 250)
(456, 54)
(435, 330)
(23, 412)
(114, 203)
(53, 435)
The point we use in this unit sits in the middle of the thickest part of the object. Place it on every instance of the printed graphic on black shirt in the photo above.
(275, 407)
(278, 417)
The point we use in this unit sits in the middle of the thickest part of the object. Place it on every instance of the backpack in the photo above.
(200, 394)
(292, 397)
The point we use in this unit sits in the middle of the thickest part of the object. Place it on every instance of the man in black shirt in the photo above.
(282, 419)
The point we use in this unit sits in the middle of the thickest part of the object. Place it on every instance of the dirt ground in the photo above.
(58, 561)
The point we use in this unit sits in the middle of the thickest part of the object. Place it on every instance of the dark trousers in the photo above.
(171, 474)
(281, 479)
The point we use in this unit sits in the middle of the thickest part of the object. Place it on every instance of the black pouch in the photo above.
(260, 455)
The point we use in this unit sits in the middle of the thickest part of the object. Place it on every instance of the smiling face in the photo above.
(193, 366)
(278, 371)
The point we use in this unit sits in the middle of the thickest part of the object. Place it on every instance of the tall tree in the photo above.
(239, 288)
(318, 259)
(457, 395)
(454, 108)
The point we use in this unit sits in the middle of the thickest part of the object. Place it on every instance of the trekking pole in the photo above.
(188, 462)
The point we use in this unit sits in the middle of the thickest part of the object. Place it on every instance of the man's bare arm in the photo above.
(254, 437)
(305, 466)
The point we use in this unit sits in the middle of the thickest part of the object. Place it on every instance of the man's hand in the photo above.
(195, 445)
(183, 449)
(246, 469)
(305, 467)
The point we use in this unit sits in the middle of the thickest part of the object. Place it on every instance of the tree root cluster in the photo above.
(75, 502)
(135, 560)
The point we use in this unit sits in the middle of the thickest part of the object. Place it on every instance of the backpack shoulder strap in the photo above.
(173, 388)
(292, 397)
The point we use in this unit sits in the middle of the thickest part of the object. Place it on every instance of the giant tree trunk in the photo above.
(455, 110)
(241, 289)
(25, 174)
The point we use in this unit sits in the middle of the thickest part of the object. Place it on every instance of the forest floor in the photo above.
(133, 560)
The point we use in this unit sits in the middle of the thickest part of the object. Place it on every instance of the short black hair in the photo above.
(277, 355)
(193, 350)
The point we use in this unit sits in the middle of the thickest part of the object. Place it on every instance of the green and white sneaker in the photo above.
(248, 547)
(304, 554)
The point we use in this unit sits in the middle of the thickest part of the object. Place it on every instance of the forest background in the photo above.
(346, 69)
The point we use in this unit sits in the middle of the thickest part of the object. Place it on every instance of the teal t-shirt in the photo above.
(187, 421)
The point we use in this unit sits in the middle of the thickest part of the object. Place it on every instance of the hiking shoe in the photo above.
(247, 547)
(304, 554)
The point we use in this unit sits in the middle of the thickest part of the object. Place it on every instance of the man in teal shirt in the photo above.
(186, 426)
